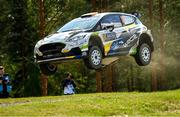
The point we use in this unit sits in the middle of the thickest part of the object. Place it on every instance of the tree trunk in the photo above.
(150, 13)
(109, 78)
(43, 78)
(41, 19)
(104, 79)
(43, 83)
(153, 69)
(153, 78)
(161, 20)
(93, 2)
(100, 5)
(98, 81)
(132, 77)
(130, 80)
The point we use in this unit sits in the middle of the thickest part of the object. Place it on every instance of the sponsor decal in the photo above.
(95, 33)
(130, 40)
(107, 47)
(110, 36)
(117, 44)
(133, 51)
(84, 46)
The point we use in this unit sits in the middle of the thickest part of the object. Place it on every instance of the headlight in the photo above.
(76, 39)
(36, 49)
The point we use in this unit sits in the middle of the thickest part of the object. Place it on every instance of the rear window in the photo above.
(115, 19)
(126, 20)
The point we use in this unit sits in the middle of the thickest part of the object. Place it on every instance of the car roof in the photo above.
(103, 14)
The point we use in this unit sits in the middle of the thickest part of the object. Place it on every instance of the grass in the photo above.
(165, 103)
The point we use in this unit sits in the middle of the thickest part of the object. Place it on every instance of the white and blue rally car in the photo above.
(94, 36)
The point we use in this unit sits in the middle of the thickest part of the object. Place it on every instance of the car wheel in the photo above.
(48, 69)
(143, 55)
(94, 59)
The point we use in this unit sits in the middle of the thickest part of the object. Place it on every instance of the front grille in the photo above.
(54, 51)
(51, 49)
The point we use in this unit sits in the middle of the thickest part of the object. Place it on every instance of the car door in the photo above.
(120, 39)
(110, 36)
(131, 32)
(122, 35)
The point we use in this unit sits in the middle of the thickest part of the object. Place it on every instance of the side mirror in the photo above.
(108, 26)
(138, 15)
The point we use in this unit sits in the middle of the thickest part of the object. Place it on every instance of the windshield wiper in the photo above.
(71, 30)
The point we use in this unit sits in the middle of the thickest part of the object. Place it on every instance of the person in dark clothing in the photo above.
(4, 80)
(68, 84)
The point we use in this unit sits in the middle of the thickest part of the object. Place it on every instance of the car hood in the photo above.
(58, 37)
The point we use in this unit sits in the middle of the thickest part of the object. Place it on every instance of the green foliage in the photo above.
(19, 22)
(19, 50)
(142, 75)
(131, 77)
(4, 28)
(59, 12)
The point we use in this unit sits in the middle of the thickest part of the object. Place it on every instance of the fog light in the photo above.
(84, 53)
(65, 51)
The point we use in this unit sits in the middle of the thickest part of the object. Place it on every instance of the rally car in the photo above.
(94, 36)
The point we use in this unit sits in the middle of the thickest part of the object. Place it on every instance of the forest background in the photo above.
(24, 22)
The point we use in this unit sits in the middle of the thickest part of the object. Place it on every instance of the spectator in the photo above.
(4, 80)
(69, 84)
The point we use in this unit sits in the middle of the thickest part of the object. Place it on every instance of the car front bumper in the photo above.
(55, 55)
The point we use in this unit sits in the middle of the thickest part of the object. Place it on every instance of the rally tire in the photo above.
(143, 55)
(94, 59)
(48, 69)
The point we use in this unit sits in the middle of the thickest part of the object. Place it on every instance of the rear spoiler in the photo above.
(138, 15)
(89, 14)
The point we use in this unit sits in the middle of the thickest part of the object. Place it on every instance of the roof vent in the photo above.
(89, 14)
(138, 15)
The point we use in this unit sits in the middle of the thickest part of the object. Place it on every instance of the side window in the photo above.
(138, 21)
(98, 27)
(126, 20)
(112, 19)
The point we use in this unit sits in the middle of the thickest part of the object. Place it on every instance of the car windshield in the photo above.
(80, 24)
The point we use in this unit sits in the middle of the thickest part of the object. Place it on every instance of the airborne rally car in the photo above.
(94, 36)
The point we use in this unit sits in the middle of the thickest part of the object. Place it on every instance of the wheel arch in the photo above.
(146, 38)
(96, 41)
